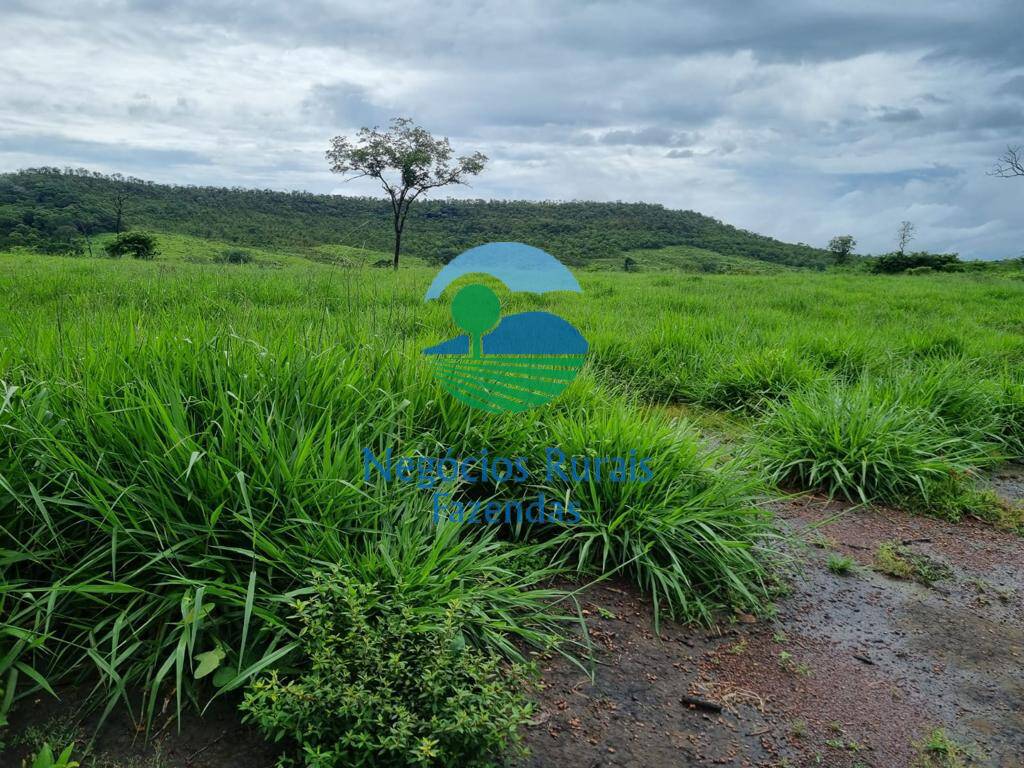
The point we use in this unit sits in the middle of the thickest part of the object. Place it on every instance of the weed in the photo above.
(739, 648)
(900, 562)
(841, 565)
(46, 759)
(938, 750)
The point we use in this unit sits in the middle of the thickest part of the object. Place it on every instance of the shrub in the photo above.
(138, 245)
(383, 689)
(235, 256)
(892, 263)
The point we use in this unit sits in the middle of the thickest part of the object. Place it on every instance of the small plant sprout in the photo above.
(841, 565)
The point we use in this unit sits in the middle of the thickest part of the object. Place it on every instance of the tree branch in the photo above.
(1010, 164)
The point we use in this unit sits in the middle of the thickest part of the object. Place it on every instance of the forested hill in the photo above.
(49, 209)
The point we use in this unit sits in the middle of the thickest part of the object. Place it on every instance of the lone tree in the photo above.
(138, 245)
(1010, 164)
(903, 236)
(842, 246)
(407, 160)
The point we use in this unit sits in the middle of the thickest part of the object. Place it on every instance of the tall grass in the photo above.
(180, 447)
(865, 444)
(174, 503)
(692, 537)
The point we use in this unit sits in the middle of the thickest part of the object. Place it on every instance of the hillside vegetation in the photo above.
(53, 210)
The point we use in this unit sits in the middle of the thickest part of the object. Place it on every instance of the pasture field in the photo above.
(181, 470)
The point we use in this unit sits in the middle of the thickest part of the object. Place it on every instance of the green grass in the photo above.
(939, 750)
(180, 447)
(860, 444)
(841, 565)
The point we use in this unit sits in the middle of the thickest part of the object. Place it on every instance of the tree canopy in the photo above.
(408, 162)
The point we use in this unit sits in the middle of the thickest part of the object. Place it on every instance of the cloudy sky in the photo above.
(800, 119)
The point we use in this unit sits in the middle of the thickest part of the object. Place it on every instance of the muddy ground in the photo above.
(857, 669)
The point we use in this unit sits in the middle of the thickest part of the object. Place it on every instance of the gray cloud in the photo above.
(345, 104)
(797, 119)
(905, 115)
(1014, 86)
(658, 136)
(61, 150)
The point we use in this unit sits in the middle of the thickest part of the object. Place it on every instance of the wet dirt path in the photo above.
(855, 670)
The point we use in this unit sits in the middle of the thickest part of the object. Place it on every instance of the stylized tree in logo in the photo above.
(476, 310)
(531, 357)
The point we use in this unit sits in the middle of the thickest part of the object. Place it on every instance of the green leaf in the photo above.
(208, 662)
(223, 676)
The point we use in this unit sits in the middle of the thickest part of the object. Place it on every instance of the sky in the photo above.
(800, 119)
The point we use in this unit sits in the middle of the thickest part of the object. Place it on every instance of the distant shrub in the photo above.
(920, 271)
(384, 690)
(138, 245)
(235, 257)
(893, 263)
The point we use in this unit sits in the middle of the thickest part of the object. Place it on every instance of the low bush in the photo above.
(382, 688)
(235, 256)
(892, 263)
(138, 245)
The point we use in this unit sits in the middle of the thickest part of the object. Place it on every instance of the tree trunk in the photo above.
(398, 245)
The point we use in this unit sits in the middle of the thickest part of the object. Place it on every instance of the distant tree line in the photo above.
(892, 263)
(58, 210)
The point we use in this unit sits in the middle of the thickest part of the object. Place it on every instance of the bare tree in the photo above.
(903, 236)
(85, 230)
(1010, 164)
(407, 160)
(118, 200)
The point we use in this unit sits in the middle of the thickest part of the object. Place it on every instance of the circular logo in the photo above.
(506, 362)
